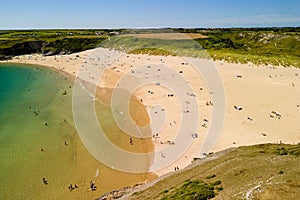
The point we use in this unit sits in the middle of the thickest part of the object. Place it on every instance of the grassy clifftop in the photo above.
(49, 42)
(260, 46)
(265, 171)
(277, 46)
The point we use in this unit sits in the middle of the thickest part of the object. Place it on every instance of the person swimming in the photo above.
(92, 186)
(45, 181)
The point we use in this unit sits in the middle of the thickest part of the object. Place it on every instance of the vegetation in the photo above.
(211, 176)
(258, 172)
(49, 42)
(277, 46)
(155, 46)
(195, 189)
(259, 46)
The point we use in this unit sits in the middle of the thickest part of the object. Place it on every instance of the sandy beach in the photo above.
(262, 102)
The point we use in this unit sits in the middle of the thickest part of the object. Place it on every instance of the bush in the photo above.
(219, 188)
(217, 183)
(295, 151)
(193, 190)
(281, 151)
(211, 176)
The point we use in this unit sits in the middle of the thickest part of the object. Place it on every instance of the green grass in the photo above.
(153, 51)
(195, 189)
(232, 175)
(276, 46)
(55, 41)
(259, 46)
(156, 46)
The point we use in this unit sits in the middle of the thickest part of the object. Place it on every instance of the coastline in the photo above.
(238, 129)
(86, 164)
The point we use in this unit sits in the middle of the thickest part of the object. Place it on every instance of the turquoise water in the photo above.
(35, 122)
(25, 91)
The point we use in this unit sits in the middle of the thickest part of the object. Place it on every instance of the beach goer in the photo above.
(238, 108)
(45, 181)
(92, 186)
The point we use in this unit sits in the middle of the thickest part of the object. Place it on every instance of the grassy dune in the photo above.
(277, 46)
(259, 46)
(265, 171)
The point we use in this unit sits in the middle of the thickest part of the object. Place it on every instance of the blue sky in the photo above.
(27, 14)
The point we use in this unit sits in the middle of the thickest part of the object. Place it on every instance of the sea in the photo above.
(38, 139)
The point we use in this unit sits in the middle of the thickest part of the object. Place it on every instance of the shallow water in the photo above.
(35, 122)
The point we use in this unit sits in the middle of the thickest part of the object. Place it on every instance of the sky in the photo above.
(67, 14)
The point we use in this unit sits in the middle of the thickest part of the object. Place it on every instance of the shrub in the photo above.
(211, 176)
(295, 151)
(219, 188)
(193, 190)
(281, 151)
(217, 183)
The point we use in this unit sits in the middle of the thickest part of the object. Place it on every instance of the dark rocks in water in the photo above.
(65, 92)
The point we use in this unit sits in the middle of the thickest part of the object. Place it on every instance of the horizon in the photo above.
(91, 14)
(148, 28)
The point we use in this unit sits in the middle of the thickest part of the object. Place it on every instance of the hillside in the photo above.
(266, 171)
(49, 42)
(277, 46)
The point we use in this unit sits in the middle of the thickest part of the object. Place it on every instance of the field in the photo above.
(277, 46)
(167, 36)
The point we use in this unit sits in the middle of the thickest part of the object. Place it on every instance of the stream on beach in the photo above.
(38, 139)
